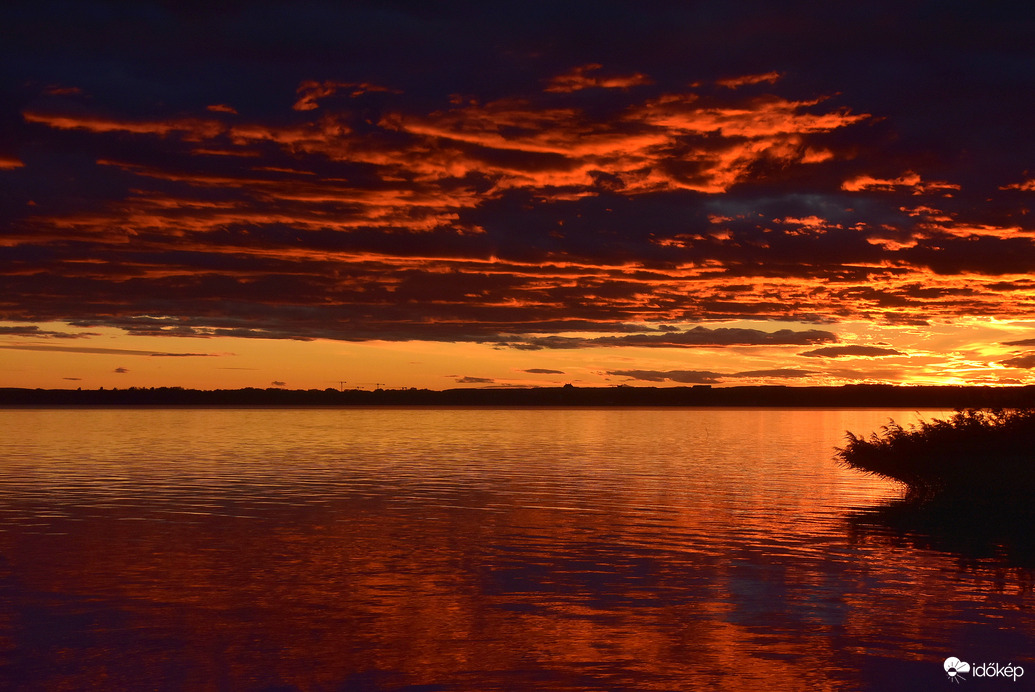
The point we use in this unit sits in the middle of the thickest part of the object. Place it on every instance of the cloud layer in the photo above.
(472, 173)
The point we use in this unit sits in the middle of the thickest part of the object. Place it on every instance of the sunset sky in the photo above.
(424, 194)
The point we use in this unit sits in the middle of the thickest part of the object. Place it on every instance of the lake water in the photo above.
(476, 549)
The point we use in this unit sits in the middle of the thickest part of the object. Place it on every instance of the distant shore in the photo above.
(848, 396)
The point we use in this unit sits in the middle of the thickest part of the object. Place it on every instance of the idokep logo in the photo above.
(955, 668)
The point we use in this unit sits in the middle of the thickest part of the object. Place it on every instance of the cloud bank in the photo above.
(372, 171)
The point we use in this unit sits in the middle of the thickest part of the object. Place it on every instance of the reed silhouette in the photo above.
(970, 483)
(977, 455)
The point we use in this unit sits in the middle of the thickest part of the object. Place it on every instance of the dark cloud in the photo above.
(1021, 342)
(278, 383)
(35, 331)
(473, 380)
(100, 350)
(467, 171)
(1026, 361)
(543, 371)
(990, 255)
(27, 330)
(708, 377)
(698, 336)
(851, 351)
(120, 371)
(681, 376)
(776, 373)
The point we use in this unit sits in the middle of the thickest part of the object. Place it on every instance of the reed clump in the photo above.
(983, 454)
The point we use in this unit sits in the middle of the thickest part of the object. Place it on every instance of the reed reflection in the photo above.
(978, 533)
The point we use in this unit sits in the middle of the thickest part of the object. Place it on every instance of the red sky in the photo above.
(390, 193)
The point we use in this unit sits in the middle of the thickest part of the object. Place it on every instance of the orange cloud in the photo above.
(965, 230)
(195, 129)
(310, 92)
(59, 90)
(908, 180)
(760, 117)
(644, 149)
(582, 77)
(507, 216)
(735, 82)
(520, 144)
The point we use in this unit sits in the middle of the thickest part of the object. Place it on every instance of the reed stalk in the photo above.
(982, 454)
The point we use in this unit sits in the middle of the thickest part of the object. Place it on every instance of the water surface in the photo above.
(476, 549)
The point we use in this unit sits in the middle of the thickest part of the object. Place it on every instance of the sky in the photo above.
(443, 194)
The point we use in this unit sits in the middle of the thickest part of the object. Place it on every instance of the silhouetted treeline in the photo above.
(880, 396)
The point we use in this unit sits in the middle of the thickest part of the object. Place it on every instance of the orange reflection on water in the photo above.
(476, 550)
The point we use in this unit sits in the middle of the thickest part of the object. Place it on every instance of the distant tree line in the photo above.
(877, 396)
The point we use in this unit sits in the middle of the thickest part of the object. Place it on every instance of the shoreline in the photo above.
(847, 396)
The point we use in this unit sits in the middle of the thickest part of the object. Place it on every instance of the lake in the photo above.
(483, 549)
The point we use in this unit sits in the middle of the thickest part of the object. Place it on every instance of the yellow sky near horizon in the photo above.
(969, 352)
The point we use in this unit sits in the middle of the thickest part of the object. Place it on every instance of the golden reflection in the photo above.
(640, 549)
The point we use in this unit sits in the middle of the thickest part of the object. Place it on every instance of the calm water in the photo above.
(472, 549)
